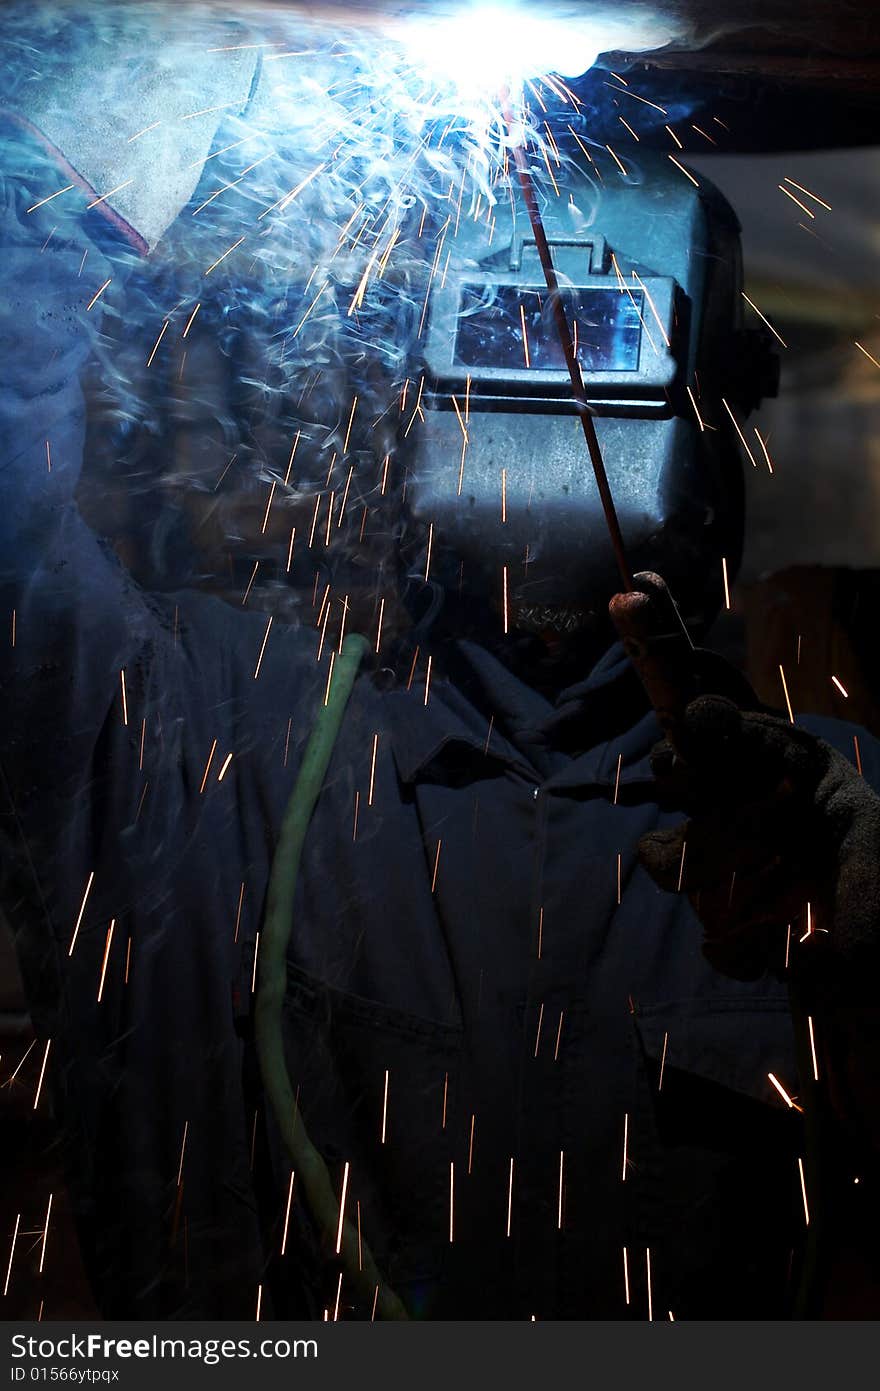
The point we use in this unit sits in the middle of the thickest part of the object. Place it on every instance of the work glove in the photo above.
(130, 117)
(780, 856)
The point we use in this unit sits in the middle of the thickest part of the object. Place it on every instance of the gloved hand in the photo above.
(130, 116)
(778, 820)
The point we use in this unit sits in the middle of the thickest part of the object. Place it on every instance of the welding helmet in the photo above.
(498, 477)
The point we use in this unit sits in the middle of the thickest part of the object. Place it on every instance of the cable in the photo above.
(308, 1163)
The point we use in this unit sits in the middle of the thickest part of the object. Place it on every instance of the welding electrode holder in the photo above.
(672, 670)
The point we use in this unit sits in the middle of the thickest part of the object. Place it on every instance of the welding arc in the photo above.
(564, 333)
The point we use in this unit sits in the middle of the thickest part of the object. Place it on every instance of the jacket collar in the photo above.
(485, 713)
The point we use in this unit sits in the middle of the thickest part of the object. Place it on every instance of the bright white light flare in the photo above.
(481, 48)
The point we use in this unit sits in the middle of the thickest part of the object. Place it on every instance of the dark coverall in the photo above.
(492, 1014)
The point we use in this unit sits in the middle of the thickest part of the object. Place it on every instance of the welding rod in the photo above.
(585, 410)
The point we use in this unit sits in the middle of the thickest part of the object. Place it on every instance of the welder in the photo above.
(527, 1017)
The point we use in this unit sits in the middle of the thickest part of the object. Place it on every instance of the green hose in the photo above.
(314, 1178)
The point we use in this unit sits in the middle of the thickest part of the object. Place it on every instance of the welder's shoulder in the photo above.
(241, 651)
(852, 740)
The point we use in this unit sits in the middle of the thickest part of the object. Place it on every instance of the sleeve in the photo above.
(115, 850)
(73, 619)
(857, 744)
(92, 668)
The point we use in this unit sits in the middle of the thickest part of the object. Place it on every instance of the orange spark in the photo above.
(342, 1208)
(681, 867)
(867, 354)
(781, 1090)
(43, 201)
(350, 423)
(81, 911)
(182, 1153)
(131, 139)
(373, 770)
(104, 196)
(329, 675)
(379, 625)
(433, 887)
(226, 253)
(11, 1254)
(263, 648)
(510, 1197)
(254, 971)
(686, 172)
(813, 1047)
(268, 508)
(696, 411)
(157, 342)
(726, 585)
(785, 692)
(620, 166)
(208, 767)
(803, 207)
(45, 1235)
(42, 1073)
(763, 444)
(754, 306)
(815, 197)
(538, 1032)
(643, 100)
(430, 545)
(804, 1191)
(21, 1063)
(646, 292)
(451, 1198)
(742, 438)
(238, 911)
(106, 956)
(98, 293)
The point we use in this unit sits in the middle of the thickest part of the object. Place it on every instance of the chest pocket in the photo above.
(377, 1088)
(715, 1180)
